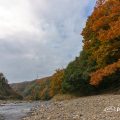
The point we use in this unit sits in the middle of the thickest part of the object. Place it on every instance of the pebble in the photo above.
(83, 108)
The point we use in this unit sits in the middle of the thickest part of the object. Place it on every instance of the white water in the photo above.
(16, 111)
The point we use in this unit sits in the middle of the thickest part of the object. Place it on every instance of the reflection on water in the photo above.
(15, 111)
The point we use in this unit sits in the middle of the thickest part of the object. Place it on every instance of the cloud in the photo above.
(39, 36)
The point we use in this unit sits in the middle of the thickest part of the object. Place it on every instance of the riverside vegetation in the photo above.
(97, 69)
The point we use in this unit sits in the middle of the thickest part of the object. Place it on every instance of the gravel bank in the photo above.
(102, 107)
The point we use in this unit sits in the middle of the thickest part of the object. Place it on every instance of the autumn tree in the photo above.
(104, 24)
(44, 90)
(56, 82)
(101, 49)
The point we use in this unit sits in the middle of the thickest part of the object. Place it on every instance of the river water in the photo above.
(16, 111)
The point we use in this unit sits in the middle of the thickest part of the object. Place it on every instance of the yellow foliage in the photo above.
(56, 82)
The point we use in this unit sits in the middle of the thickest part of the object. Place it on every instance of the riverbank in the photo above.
(101, 107)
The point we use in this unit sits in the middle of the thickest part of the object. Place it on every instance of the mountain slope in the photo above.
(32, 89)
(6, 92)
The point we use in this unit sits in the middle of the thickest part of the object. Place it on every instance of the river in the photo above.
(16, 111)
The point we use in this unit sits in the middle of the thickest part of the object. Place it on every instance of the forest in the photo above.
(6, 92)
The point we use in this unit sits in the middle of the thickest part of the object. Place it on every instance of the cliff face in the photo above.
(6, 92)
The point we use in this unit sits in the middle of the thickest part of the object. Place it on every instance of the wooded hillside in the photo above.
(6, 92)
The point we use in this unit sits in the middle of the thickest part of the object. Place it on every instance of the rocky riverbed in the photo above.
(101, 107)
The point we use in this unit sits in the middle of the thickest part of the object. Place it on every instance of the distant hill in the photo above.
(30, 89)
(6, 92)
(21, 87)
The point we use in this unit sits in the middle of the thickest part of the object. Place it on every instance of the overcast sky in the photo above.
(39, 36)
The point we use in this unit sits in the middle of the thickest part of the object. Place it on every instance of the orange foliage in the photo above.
(98, 76)
(105, 20)
(102, 29)
(112, 33)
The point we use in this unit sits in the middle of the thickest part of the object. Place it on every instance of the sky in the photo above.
(39, 36)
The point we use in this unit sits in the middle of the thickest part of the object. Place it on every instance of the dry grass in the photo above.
(61, 97)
